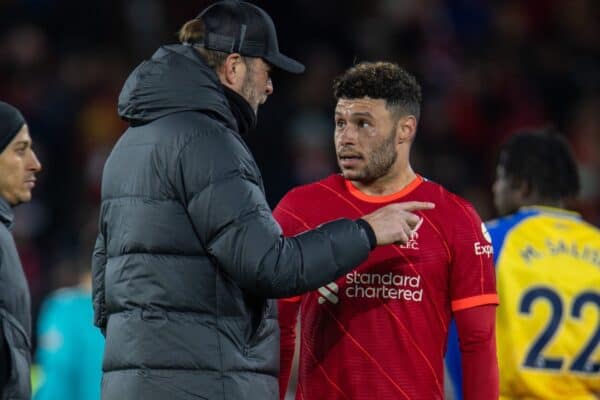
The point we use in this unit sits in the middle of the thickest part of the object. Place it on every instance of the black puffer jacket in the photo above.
(15, 316)
(188, 252)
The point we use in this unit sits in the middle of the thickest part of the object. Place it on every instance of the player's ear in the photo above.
(525, 191)
(406, 128)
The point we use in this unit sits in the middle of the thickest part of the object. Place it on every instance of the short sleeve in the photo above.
(472, 276)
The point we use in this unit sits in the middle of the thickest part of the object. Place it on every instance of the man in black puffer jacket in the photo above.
(188, 252)
(18, 166)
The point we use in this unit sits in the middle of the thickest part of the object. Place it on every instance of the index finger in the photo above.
(416, 205)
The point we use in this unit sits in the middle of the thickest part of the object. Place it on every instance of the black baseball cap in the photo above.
(239, 27)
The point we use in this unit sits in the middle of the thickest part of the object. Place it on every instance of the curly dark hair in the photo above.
(381, 80)
(542, 159)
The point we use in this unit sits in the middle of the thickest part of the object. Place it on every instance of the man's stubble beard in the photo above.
(248, 89)
(379, 160)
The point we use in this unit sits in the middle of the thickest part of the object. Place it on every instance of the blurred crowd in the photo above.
(488, 68)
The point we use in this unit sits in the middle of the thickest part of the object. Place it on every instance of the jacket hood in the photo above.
(175, 79)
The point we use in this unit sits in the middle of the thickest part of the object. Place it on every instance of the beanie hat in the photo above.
(11, 122)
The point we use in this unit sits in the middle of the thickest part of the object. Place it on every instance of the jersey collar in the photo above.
(551, 210)
(387, 198)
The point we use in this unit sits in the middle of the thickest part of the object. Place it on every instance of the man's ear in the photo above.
(406, 128)
(233, 71)
(523, 190)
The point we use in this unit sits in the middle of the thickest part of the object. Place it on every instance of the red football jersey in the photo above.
(380, 331)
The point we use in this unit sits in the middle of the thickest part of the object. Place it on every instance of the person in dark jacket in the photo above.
(188, 253)
(18, 166)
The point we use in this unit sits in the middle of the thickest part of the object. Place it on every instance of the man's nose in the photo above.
(495, 186)
(347, 135)
(269, 88)
(35, 164)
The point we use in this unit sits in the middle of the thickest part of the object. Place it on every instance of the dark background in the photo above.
(487, 68)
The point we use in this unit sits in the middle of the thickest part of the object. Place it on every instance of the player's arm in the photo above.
(473, 301)
(288, 316)
(453, 372)
(477, 337)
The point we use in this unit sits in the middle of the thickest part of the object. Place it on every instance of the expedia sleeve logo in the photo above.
(484, 249)
(486, 233)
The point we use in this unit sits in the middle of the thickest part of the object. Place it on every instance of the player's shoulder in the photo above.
(446, 202)
(500, 227)
(313, 191)
(567, 220)
(588, 227)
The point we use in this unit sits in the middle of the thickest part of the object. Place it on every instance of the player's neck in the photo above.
(388, 184)
(543, 202)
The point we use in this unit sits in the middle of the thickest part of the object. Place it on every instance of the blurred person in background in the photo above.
(70, 348)
(548, 270)
(188, 252)
(379, 332)
(18, 166)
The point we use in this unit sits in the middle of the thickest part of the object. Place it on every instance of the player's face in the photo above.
(505, 193)
(365, 139)
(257, 84)
(18, 166)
